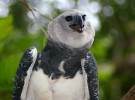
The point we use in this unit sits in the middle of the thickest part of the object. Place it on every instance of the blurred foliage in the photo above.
(20, 16)
(113, 48)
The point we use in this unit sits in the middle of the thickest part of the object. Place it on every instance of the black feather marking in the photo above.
(54, 53)
(92, 76)
(21, 73)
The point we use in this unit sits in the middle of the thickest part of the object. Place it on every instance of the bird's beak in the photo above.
(77, 24)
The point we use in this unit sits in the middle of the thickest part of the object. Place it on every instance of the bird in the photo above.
(64, 69)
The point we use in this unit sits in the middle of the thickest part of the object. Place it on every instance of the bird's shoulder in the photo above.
(23, 72)
(90, 60)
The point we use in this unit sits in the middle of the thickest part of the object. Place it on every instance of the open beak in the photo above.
(77, 24)
(76, 27)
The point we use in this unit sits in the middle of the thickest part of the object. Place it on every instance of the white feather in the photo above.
(87, 96)
(61, 66)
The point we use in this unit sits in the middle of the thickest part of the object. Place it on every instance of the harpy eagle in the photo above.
(65, 69)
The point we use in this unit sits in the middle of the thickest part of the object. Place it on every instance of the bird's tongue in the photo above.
(76, 27)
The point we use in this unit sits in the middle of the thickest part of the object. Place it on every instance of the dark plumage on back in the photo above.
(22, 72)
(92, 76)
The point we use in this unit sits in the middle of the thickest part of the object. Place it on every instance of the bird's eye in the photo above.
(69, 18)
(84, 17)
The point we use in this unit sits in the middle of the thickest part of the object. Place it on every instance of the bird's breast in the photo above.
(42, 87)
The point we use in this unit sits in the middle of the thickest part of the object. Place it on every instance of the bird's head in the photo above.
(71, 28)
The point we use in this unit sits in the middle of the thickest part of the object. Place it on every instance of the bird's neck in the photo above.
(67, 51)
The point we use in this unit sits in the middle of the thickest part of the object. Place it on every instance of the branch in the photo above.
(130, 94)
(47, 17)
(45, 32)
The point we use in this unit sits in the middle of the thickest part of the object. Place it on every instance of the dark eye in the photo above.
(83, 17)
(69, 18)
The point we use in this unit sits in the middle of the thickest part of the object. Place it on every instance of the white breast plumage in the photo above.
(58, 89)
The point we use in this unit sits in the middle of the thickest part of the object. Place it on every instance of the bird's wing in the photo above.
(90, 68)
(23, 74)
